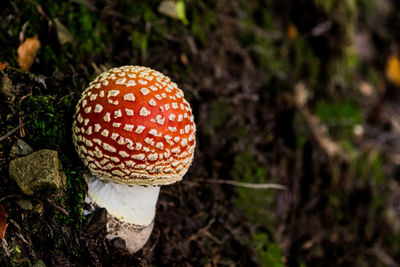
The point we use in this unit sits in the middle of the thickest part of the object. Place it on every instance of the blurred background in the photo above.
(299, 93)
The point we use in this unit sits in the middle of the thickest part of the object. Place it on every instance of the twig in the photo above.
(212, 237)
(16, 225)
(201, 231)
(11, 132)
(241, 184)
(21, 128)
(249, 185)
(22, 238)
(5, 246)
(8, 197)
(51, 234)
(384, 257)
(56, 206)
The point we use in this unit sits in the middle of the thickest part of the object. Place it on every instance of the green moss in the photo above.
(346, 109)
(76, 185)
(305, 64)
(44, 118)
(140, 42)
(202, 23)
(366, 178)
(269, 253)
(300, 140)
(326, 5)
(340, 116)
(366, 167)
(365, 5)
(257, 204)
(88, 32)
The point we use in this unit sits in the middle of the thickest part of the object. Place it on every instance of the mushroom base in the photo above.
(135, 237)
(131, 210)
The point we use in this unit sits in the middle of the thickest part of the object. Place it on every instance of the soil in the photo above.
(295, 93)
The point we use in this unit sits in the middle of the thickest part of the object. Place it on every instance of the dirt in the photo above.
(295, 93)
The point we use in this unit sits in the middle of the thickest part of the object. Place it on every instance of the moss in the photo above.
(304, 62)
(326, 5)
(269, 253)
(140, 42)
(202, 23)
(257, 205)
(76, 185)
(340, 116)
(44, 118)
(88, 31)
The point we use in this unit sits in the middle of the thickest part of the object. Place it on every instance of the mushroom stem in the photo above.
(131, 209)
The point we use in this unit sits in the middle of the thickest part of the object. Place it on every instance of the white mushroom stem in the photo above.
(131, 204)
(131, 210)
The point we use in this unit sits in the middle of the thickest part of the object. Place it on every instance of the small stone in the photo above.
(38, 173)
(6, 88)
(20, 148)
(38, 208)
(25, 204)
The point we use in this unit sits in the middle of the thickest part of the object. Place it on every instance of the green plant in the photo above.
(269, 253)
(257, 205)
(44, 119)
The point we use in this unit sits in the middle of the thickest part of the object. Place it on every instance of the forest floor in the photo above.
(299, 93)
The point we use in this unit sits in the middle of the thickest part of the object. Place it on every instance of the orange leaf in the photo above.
(2, 66)
(291, 32)
(27, 52)
(393, 69)
(3, 223)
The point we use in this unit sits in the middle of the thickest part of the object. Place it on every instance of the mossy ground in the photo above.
(238, 64)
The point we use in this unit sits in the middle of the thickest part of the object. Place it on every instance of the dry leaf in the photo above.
(173, 9)
(63, 34)
(2, 66)
(3, 223)
(27, 52)
(168, 8)
(291, 32)
(393, 69)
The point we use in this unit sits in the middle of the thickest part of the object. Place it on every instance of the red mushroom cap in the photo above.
(133, 126)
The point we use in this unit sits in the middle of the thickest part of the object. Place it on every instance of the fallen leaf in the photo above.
(63, 34)
(2, 66)
(173, 9)
(291, 32)
(3, 223)
(393, 69)
(27, 52)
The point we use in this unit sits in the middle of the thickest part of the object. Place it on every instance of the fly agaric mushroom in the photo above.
(134, 131)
